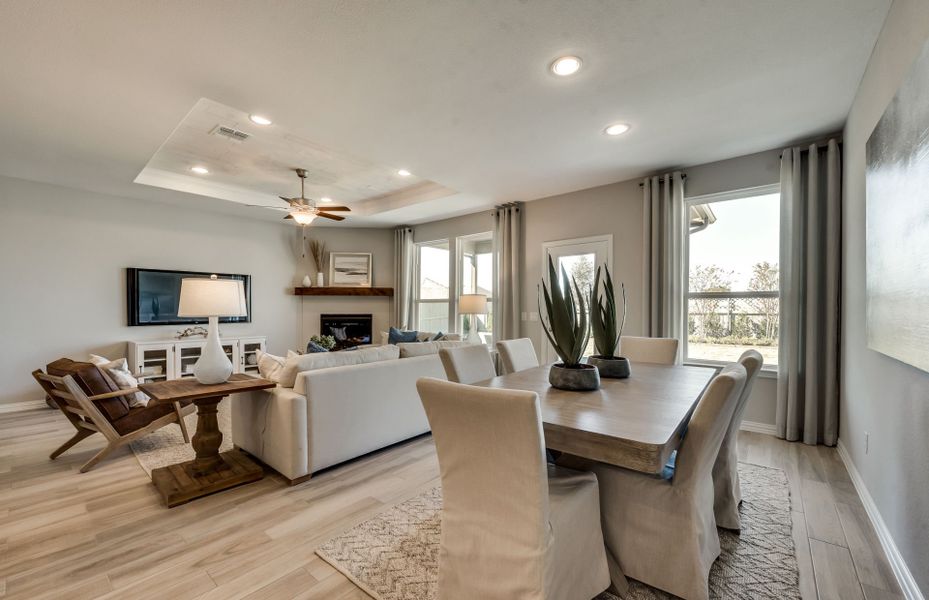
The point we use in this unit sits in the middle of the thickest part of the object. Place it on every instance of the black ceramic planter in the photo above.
(584, 378)
(612, 367)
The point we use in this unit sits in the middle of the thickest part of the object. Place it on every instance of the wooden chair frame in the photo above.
(83, 414)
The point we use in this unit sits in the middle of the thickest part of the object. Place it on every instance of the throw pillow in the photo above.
(118, 370)
(437, 337)
(427, 348)
(395, 336)
(270, 366)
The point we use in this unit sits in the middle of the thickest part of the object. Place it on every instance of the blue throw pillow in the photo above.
(437, 337)
(395, 336)
(314, 347)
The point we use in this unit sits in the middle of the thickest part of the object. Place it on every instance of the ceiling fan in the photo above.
(304, 211)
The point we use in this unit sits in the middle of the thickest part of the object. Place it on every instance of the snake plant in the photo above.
(568, 328)
(603, 315)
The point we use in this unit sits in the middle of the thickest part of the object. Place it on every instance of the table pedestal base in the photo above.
(184, 482)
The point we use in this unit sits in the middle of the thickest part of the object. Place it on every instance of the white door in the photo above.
(580, 259)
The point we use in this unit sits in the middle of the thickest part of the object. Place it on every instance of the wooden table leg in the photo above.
(211, 471)
(208, 438)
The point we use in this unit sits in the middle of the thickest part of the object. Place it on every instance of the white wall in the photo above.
(880, 395)
(63, 272)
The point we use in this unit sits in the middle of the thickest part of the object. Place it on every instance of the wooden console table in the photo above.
(211, 471)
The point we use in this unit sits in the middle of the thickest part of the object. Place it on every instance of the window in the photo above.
(732, 287)
(476, 276)
(432, 299)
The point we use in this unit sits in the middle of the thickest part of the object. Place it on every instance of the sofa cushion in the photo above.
(89, 378)
(324, 360)
(423, 336)
(414, 349)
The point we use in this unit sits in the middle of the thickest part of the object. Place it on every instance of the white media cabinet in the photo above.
(160, 360)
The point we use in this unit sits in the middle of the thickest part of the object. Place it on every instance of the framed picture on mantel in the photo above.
(350, 269)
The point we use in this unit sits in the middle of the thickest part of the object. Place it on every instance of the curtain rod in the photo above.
(683, 176)
(819, 146)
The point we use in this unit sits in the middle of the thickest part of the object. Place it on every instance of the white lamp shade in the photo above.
(212, 298)
(472, 304)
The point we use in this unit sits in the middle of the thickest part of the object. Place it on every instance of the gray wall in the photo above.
(881, 396)
(615, 209)
(63, 272)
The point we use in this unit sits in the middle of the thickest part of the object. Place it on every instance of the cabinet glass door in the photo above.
(248, 351)
(156, 363)
(188, 356)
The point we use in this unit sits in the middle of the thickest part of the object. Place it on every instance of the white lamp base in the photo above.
(213, 366)
(473, 337)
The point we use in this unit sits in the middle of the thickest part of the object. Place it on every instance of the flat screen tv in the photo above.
(153, 295)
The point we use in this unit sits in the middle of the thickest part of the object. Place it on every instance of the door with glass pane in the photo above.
(579, 258)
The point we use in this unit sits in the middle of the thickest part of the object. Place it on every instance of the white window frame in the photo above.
(763, 190)
(452, 287)
(459, 253)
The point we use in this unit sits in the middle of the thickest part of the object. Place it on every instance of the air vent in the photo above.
(231, 133)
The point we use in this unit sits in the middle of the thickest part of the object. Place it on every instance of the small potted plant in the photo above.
(605, 332)
(568, 331)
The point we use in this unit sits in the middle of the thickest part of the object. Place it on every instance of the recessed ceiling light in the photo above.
(616, 129)
(200, 170)
(566, 65)
(325, 199)
(259, 120)
(403, 173)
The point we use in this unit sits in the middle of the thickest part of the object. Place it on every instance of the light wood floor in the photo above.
(106, 534)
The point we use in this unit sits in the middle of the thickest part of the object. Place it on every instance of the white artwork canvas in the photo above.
(350, 269)
(897, 250)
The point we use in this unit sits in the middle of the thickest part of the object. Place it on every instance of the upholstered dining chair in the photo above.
(663, 532)
(726, 469)
(517, 355)
(649, 350)
(467, 364)
(512, 525)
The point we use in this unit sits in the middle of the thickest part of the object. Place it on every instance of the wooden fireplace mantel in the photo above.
(344, 291)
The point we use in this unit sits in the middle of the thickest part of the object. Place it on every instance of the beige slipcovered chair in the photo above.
(512, 525)
(517, 355)
(726, 469)
(661, 351)
(663, 532)
(467, 364)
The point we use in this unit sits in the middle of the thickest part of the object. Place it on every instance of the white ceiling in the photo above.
(456, 92)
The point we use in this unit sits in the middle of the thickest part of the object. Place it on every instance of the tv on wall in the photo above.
(153, 294)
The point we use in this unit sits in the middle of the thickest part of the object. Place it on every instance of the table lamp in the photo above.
(212, 298)
(473, 304)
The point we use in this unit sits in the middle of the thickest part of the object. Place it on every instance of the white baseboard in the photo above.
(759, 427)
(21, 406)
(901, 571)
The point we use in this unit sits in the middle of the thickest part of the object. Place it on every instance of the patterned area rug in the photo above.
(166, 446)
(394, 556)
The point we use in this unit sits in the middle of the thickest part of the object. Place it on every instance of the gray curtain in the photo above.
(665, 228)
(807, 378)
(507, 250)
(403, 278)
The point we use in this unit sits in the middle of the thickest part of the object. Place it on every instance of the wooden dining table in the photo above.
(635, 423)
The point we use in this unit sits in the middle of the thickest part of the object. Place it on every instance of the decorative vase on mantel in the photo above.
(319, 280)
(306, 281)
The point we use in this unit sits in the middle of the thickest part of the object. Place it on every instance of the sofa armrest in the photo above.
(272, 426)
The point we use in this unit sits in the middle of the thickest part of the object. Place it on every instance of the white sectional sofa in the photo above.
(319, 417)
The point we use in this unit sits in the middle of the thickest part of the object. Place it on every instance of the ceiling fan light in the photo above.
(303, 218)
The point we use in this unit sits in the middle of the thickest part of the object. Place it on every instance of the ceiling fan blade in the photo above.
(266, 206)
(328, 208)
(333, 217)
(289, 201)
(288, 217)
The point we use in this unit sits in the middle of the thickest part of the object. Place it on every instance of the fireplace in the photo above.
(348, 330)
